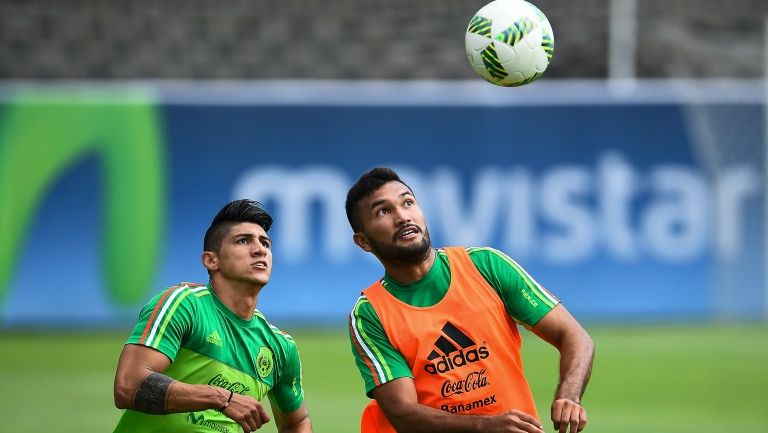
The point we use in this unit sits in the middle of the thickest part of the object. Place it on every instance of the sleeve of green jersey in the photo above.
(288, 394)
(524, 299)
(164, 321)
(375, 357)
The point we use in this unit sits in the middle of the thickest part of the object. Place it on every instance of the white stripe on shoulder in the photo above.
(539, 289)
(361, 341)
(361, 298)
(166, 305)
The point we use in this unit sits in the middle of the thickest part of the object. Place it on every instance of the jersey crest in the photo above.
(264, 362)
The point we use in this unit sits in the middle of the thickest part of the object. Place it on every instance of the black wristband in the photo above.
(228, 400)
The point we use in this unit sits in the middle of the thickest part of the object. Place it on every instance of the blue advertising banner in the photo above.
(640, 206)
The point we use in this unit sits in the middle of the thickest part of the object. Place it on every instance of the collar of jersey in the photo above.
(427, 291)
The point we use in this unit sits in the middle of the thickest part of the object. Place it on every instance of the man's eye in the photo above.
(242, 241)
(265, 244)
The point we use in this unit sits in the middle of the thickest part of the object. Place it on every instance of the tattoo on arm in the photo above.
(152, 394)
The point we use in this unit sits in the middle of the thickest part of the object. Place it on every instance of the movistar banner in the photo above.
(635, 205)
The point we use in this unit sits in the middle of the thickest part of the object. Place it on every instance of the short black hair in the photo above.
(364, 187)
(238, 211)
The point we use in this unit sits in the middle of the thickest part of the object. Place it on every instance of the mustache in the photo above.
(406, 227)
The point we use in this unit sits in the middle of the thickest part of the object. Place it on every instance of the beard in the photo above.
(403, 254)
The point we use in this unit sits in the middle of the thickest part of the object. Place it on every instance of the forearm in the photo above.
(424, 419)
(186, 397)
(157, 393)
(399, 402)
(576, 353)
(303, 426)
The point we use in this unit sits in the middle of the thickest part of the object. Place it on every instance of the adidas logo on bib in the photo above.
(453, 349)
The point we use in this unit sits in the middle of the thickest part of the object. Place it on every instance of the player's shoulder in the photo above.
(283, 338)
(362, 307)
(473, 252)
(278, 342)
(484, 252)
(488, 256)
(182, 293)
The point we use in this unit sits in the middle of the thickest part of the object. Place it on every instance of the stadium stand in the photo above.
(353, 39)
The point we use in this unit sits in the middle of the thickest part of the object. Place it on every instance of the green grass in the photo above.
(645, 379)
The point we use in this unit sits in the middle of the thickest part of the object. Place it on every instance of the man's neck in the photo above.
(407, 273)
(238, 297)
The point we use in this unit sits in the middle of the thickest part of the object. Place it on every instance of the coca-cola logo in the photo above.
(474, 380)
(222, 382)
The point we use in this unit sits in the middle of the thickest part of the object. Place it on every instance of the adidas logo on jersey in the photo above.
(214, 338)
(448, 356)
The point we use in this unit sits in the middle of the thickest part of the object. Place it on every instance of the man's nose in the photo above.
(402, 216)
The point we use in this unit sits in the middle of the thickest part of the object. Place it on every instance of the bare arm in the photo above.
(398, 401)
(292, 422)
(577, 350)
(140, 385)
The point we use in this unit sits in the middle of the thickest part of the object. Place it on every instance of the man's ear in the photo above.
(210, 261)
(362, 242)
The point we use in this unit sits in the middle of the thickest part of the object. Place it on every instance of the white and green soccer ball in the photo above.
(509, 42)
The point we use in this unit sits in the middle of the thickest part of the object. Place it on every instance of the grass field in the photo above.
(646, 379)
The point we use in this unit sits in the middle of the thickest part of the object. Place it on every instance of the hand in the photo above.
(513, 421)
(246, 411)
(567, 412)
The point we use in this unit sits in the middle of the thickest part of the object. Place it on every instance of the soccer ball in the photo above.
(509, 42)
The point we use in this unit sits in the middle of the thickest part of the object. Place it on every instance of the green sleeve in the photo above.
(165, 321)
(288, 394)
(378, 361)
(524, 299)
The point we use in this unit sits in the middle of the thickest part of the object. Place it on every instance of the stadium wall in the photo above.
(637, 206)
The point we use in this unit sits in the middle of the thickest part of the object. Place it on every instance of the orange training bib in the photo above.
(464, 351)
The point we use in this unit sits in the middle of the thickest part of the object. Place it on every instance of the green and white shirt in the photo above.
(524, 299)
(209, 344)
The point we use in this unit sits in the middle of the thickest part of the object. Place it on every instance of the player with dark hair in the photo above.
(436, 339)
(201, 356)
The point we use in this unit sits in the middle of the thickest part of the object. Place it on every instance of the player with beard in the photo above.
(436, 339)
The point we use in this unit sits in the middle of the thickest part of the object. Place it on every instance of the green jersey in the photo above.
(524, 299)
(209, 344)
